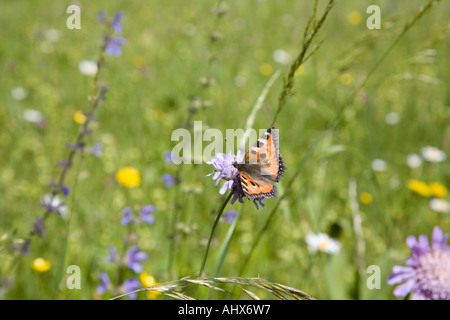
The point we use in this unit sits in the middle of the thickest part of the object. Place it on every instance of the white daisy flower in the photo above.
(392, 118)
(88, 67)
(413, 160)
(379, 165)
(440, 205)
(322, 242)
(433, 154)
(282, 57)
(19, 93)
(34, 116)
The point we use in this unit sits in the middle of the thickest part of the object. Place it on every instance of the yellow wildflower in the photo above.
(148, 280)
(79, 117)
(419, 187)
(354, 18)
(300, 70)
(346, 79)
(40, 265)
(138, 61)
(365, 198)
(438, 190)
(266, 69)
(129, 177)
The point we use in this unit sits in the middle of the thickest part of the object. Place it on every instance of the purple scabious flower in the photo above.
(225, 169)
(134, 256)
(427, 271)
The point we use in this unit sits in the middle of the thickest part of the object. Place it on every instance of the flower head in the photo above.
(40, 265)
(230, 215)
(146, 214)
(440, 205)
(54, 203)
(433, 154)
(127, 218)
(115, 23)
(322, 242)
(419, 187)
(148, 280)
(113, 46)
(129, 177)
(105, 283)
(225, 169)
(134, 257)
(168, 179)
(427, 271)
(130, 285)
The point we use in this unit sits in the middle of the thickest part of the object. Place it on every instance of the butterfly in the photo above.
(262, 163)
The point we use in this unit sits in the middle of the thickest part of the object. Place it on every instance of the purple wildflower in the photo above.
(129, 285)
(112, 254)
(115, 23)
(427, 273)
(168, 157)
(146, 215)
(101, 16)
(105, 283)
(127, 218)
(38, 227)
(113, 46)
(96, 149)
(224, 165)
(230, 215)
(65, 191)
(134, 256)
(168, 180)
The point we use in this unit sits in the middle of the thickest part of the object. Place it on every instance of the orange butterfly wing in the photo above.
(265, 153)
(262, 161)
(255, 188)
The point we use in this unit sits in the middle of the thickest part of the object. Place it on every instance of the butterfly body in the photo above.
(262, 163)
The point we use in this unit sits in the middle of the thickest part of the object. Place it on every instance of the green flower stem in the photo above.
(224, 204)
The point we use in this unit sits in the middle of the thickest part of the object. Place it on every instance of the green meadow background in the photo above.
(155, 85)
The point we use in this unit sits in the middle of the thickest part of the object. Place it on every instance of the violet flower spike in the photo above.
(134, 256)
(146, 214)
(129, 285)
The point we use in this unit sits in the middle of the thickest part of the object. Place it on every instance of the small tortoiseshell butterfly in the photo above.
(262, 162)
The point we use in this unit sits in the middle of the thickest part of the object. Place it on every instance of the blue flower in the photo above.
(127, 218)
(115, 23)
(96, 149)
(101, 16)
(105, 283)
(129, 285)
(168, 180)
(230, 215)
(146, 215)
(113, 46)
(168, 157)
(112, 254)
(134, 256)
